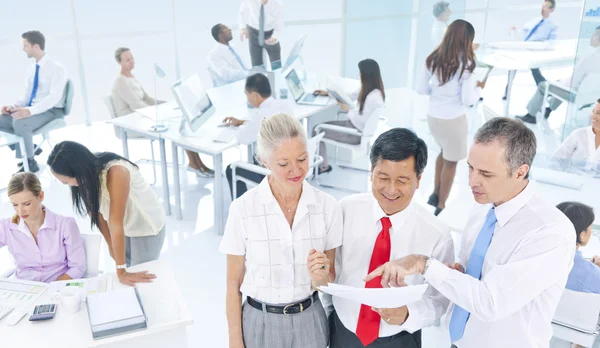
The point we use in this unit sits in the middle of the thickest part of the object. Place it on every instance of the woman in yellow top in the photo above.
(119, 201)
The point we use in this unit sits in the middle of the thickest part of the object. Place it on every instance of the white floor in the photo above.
(192, 243)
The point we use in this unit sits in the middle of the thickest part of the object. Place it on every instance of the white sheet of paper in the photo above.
(379, 298)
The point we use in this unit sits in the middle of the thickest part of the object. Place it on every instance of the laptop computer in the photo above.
(298, 93)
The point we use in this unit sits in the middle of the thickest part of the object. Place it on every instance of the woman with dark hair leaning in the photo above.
(371, 97)
(449, 81)
(119, 201)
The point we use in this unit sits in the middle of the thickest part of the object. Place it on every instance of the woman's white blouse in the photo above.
(580, 149)
(275, 256)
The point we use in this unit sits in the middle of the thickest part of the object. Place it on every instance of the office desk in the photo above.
(7, 139)
(513, 56)
(163, 302)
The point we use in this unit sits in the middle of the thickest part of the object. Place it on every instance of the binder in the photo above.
(116, 312)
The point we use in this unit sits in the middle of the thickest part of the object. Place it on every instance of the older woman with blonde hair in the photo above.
(45, 245)
(280, 242)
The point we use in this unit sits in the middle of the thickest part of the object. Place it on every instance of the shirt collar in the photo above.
(49, 223)
(266, 195)
(506, 211)
(43, 61)
(267, 103)
(397, 219)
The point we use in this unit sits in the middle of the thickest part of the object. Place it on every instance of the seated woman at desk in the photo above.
(582, 146)
(370, 98)
(280, 242)
(585, 275)
(119, 201)
(45, 246)
(128, 95)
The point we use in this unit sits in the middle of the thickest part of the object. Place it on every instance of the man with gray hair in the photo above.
(517, 250)
(441, 12)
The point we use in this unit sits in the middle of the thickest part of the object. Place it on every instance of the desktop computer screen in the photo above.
(294, 84)
(193, 101)
(295, 52)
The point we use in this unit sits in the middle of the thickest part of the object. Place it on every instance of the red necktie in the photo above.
(367, 329)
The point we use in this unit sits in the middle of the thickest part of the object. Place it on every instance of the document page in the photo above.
(379, 298)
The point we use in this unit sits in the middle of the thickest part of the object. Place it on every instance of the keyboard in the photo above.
(226, 135)
(5, 310)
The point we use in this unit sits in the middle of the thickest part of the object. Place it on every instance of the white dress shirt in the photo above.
(275, 255)
(588, 65)
(250, 14)
(580, 148)
(523, 277)
(225, 65)
(373, 101)
(414, 231)
(450, 100)
(248, 132)
(545, 31)
(52, 79)
(438, 30)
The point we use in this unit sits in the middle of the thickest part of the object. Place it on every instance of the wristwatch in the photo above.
(427, 263)
(123, 266)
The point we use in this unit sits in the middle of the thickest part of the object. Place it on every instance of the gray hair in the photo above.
(119, 52)
(440, 8)
(276, 129)
(518, 140)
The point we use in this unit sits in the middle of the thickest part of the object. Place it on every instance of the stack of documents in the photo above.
(116, 312)
(378, 298)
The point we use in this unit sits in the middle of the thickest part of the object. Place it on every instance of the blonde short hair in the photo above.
(119, 52)
(276, 129)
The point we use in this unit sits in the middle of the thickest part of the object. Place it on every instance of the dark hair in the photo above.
(398, 144)
(440, 7)
(74, 160)
(519, 141)
(35, 37)
(454, 53)
(258, 83)
(215, 31)
(581, 215)
(370, 79)
(553, 2)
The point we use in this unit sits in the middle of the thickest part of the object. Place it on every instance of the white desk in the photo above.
(512, 57)
(165, 308)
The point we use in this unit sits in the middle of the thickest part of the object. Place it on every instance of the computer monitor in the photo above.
(295, 52)
(294, 85)
(193, 102)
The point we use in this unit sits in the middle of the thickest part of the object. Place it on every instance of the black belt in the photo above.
(292, 308)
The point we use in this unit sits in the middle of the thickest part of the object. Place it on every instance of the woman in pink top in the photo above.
(46, 246)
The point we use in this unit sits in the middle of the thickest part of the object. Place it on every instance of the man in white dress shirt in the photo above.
(258, 92)
(567, 89)
(441, 12)
(42, 101)
(224, 62)
(261, 22)
(385, 225)
(517, 250)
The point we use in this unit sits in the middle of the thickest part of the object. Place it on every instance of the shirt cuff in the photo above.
(75, 273)
(436, 273)
(413, 322)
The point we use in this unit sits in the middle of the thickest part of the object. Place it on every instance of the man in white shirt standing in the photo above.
(258, 92)
(261, 22)
(441, 12)
(224, 62)
(385, 225)
(590, 64)
(517, 250)
(42, 101)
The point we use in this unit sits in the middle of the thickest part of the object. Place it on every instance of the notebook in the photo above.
(116, 312)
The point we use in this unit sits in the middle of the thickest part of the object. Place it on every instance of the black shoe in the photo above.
(433, 200)
(37, 152)
(547, 113)
(33, 166)
(504, 98)
(326, 170)
(437, 211)
(527, 119)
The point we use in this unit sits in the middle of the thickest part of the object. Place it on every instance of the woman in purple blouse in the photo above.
(46, 246)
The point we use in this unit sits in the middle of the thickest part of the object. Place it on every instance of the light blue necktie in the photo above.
(261, 26)
(474, 266)
(36, 79)
(533, 30)
(239, 59)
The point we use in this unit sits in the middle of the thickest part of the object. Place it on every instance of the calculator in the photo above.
(43, 312)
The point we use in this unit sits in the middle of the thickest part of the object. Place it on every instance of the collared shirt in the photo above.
(275, 255)
(224, 66)
(579, 149)
(414, 231)
(438, 30)
(587, 65)
(248, 132)
(128, 95)
(52, 79)
(544, 32)
(373, 101)
(585, 276)
(523, 277)
(59, 249)
(450, 100)
(250, 15)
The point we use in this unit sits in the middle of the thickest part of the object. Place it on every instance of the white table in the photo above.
(7, 139)
(163, 302)
(513, 56)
